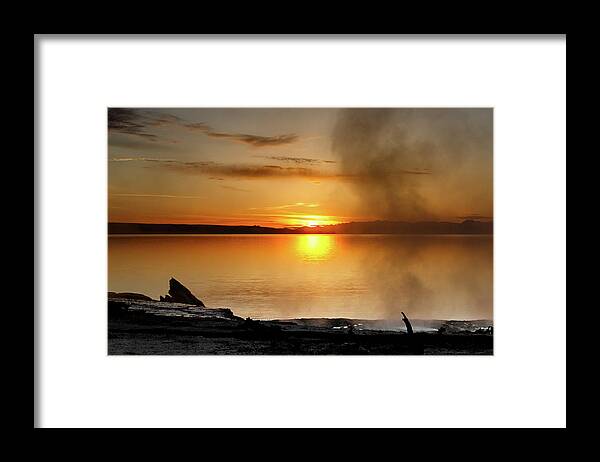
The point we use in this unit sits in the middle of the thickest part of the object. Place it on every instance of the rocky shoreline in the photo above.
(182, 325)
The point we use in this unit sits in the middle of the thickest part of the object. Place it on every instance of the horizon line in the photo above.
(486, 220)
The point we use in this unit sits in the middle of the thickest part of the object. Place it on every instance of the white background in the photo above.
(523, 384)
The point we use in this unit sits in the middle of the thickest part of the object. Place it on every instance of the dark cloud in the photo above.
(475, 217)
(137, 121)
(255, 140)
(241, 171)
(217, 170)
(200, 126)
(298, 160)
(161, 119)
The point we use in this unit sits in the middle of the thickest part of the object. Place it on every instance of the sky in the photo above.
(299, 166)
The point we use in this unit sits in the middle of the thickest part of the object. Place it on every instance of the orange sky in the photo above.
(298, 167)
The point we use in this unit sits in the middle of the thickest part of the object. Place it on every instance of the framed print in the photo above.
(300, 231)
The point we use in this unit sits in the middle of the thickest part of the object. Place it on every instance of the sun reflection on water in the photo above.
(315, 247)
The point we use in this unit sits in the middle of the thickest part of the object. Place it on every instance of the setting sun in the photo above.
(312, 221)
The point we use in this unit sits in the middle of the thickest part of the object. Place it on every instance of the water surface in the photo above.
(291, 276)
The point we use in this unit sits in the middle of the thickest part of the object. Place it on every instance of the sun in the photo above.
(311, 221)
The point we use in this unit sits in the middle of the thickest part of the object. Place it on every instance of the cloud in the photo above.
(162, 196)
(140, 159)
(233, 188)
(217, 170)
(200, 126)
(475, 216)
(240, 171)
(138, 121)
(135, 121)
(298, 160)
(121, 140)
(255, 140)
(285, 206)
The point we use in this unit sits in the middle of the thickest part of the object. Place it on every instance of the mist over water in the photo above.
(391, 158)
(432, 277)
(291, 276)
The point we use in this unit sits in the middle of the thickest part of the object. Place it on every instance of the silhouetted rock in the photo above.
(178, 293)
(129, 296)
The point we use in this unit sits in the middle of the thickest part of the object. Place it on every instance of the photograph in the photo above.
(300, 230)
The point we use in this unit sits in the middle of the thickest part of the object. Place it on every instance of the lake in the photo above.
(292, 276)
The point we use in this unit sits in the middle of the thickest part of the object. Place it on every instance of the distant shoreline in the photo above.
(371, 227)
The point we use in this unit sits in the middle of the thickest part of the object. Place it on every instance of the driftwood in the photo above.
(407, 323)
(415, 342)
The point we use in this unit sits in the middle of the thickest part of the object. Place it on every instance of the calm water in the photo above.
(289, 276)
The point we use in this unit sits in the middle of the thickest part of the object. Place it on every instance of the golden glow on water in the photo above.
(314, 275)
(315, 247)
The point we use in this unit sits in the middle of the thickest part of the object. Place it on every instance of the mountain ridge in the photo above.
(356, 227)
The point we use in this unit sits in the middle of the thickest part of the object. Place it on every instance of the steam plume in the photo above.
(391, 150)
(388, 152)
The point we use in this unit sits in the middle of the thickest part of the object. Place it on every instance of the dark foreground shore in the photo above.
(157, 328)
